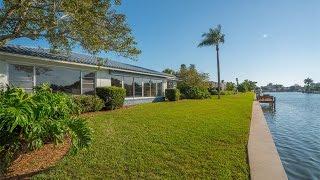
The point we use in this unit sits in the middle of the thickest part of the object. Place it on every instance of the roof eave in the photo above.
(82, 64)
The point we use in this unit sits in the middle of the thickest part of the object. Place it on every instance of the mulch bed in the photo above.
(31, 163)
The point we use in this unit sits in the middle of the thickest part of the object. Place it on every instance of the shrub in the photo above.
(191, 92)
(242, 88)
(88, 103)
(173, 94)
(112, 96)
(196, 93)
(213, 91)
(28, 121)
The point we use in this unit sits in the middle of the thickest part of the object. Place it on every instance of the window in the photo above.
(116, 81)
(128, 85)
(60, 79)
(153, 88)
(159, 88)
(21, 76)
(88, 83)
(146, 88)
(137, 87)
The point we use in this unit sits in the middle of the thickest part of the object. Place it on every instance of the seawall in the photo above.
(264, 160)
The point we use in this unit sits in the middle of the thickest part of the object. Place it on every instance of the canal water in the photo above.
(295, 127)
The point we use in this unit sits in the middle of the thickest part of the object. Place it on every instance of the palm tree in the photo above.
(308, 83)
(214, 38)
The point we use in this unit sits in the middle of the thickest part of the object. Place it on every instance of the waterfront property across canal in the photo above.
(295, 127)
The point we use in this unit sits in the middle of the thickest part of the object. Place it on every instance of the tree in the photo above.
(230, 86)
(190, 77)
(214, 38)
(93, 24)
(308, 83)
(169, 71)
(242, 88)
(249, 85)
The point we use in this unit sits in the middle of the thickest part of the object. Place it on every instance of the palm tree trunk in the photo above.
(218, 70)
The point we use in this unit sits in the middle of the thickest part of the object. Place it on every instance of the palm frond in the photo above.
(213, 37)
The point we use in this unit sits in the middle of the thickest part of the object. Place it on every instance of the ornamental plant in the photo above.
(88, 103)
(28, 121)
(112, 96)
(172, 94)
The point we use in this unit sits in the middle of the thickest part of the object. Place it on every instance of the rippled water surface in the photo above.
(295, 127)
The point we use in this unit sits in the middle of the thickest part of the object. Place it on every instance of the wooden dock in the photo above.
(271, 100)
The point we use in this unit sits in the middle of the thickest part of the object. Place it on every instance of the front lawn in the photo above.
(185, 139)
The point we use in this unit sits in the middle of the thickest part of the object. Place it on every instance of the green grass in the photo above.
(185, 139)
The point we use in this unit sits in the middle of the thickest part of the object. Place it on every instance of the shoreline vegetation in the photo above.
(309, 87)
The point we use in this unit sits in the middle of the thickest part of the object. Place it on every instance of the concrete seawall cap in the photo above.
(264, 160)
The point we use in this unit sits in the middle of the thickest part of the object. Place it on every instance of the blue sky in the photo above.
(266, 41)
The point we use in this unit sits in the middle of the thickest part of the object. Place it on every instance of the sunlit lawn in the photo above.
(185, 139)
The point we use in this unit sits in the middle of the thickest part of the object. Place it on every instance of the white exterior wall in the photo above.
(164, 86)
(103, 79)
(3, 73)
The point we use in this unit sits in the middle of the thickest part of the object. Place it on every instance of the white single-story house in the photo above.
(75, 73)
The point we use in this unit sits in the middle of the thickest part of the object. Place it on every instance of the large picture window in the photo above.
(116, 81)
(159, 88)
(137, 87)
(21, 76)
(146, 88)
(128, 85)
(60, 79)
(153, 88)
(88, 82)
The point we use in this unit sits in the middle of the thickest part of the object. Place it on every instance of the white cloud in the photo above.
(265, 36)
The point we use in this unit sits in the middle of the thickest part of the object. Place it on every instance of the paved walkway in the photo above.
(264, 160)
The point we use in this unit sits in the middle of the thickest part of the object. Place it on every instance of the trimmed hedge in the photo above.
(113, 97)
(173, 94)
(88, 103)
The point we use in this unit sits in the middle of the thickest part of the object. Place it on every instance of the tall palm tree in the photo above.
(214, 38)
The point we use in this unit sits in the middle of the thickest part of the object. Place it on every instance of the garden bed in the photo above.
(30, 163)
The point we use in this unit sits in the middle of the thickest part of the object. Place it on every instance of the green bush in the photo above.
(213, 91)
(173, 94)
(28, 121)
(242, 88)
(112, 96)
(191, 92)
(196, 93)
(88, 103)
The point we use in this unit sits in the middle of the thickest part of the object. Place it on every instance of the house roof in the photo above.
(77, 58)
